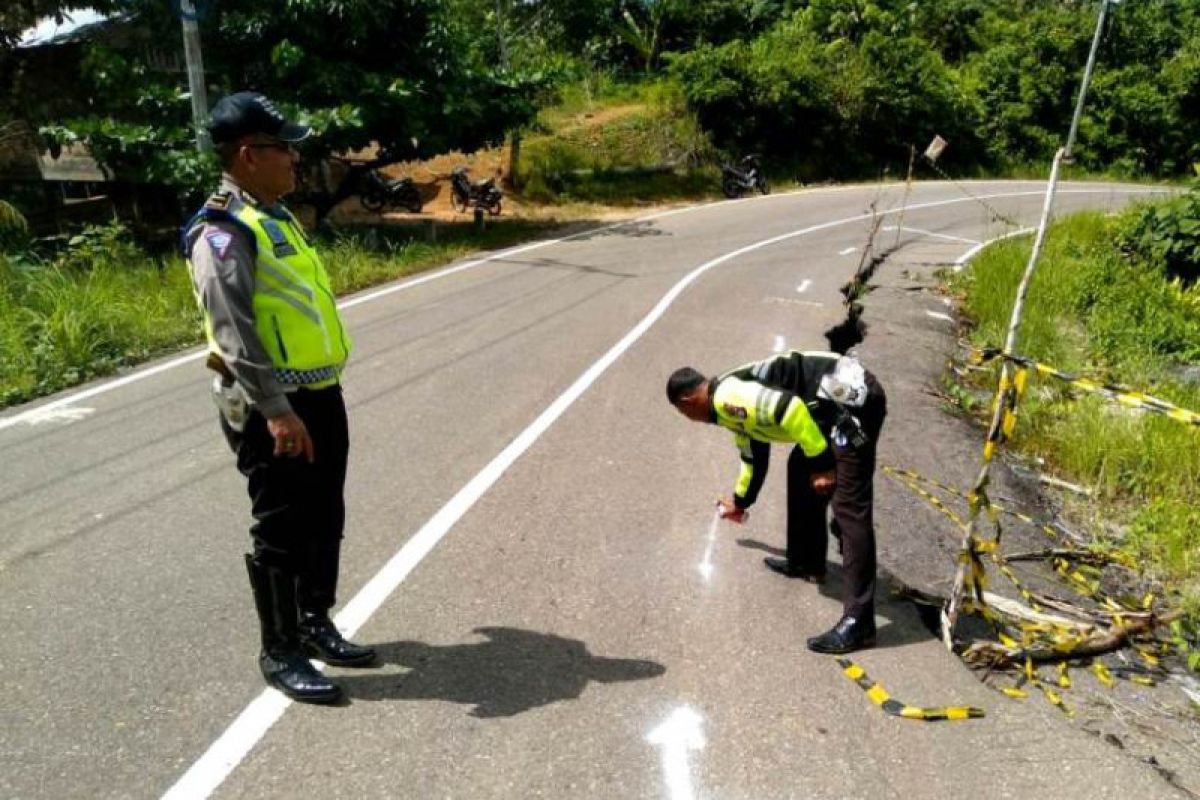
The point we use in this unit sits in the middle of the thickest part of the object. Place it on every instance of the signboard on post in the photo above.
(935, 149)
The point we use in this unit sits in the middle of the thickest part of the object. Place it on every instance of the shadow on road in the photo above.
(900, 621)
(513, 671)
(636, 229)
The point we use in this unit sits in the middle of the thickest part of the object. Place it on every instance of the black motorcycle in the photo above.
(379, 192)
(465, 193)
(746, 177)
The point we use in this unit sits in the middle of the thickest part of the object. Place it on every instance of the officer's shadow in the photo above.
(900, 621)
(512, 671)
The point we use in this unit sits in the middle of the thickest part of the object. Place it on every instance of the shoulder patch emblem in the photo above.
(733, 411)
(219, 241)
(219, 201)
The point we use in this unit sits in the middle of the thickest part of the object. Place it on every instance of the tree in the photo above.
(391, 73)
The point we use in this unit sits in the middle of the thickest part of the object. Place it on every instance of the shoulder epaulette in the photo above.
(219, 201)
(219, 207)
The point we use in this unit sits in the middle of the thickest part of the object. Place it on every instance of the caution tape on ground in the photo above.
(879, 696)
(1122, 395)
(1044, 527)
(1083, 578)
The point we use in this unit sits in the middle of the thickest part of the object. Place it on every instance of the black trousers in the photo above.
(853, 510)
(299, 508)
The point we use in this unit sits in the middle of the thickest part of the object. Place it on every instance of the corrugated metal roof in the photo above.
(75, 26)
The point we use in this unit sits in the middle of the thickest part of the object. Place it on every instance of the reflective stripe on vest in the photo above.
(295, 311)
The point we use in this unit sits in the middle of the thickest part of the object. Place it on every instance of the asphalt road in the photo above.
(558, 613)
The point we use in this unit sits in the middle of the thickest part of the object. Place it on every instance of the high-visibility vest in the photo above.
(295, 312)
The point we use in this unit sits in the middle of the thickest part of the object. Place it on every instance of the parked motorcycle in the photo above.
(465, 193)
(746, 177)
(380, 192)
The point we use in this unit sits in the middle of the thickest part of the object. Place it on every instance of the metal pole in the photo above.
(1087, 78)
(195, 73)
(951, 612)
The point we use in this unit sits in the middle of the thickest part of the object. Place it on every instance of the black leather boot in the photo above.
(321, 639)
(282, 663)
(848, 635)
(785, 567)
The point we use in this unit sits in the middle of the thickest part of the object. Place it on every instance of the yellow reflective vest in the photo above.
(295, 312)
(758, 415)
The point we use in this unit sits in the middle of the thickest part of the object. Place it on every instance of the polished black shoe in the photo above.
(784, 567)
(321, 639)
(291, 674)
(848, 635)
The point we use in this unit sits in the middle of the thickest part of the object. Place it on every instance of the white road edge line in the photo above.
(223, 756)
(967, 256)
(931, 233)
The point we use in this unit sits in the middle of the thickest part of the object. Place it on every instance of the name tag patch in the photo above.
(279, 241)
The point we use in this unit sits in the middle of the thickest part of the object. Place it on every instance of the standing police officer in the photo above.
(279, 346)
(832, 410)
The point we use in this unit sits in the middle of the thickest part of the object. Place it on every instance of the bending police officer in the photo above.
(832, 410)
(279, 346)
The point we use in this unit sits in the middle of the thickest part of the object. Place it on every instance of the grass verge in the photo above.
(103, 303)
(1095, 310)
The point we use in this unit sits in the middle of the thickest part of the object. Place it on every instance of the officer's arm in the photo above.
(755, 460)
(222, 258)
(791, 414)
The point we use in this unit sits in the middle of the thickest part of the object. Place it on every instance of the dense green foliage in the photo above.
(1168, 234)
(830, 87)
(840, 85)
(1098, 310)
(400, 74)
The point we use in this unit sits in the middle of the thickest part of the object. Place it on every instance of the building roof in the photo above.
(76, 25)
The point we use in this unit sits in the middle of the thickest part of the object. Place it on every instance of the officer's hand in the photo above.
(291, 436)
(727, 510)
(823, 482)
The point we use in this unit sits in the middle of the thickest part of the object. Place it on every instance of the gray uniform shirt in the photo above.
(221, 256)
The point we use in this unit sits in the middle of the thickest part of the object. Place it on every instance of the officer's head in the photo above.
(256, 143)
(687, 390)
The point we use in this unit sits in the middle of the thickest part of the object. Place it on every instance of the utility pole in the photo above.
(1008, 392)
(195, 73)
(1087, 78)
(514, 150)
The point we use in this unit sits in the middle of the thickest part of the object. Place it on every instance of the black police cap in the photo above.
(247, 113)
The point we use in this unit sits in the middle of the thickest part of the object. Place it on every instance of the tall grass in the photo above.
(98, 305)
(102, 303)
(1094, 310)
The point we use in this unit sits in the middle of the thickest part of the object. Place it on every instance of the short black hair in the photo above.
(227, 153)
(683, 382)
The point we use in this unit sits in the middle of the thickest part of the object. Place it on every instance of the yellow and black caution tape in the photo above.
(1008, 395)
(1084, 579)
(1122, 395)
(916, 477)
(1102, 673)
(879, 696)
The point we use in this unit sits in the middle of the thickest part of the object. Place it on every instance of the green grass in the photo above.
(1094, 311)
(102, 303)
(606, 142)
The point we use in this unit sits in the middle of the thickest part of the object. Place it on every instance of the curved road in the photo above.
(530, 543)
